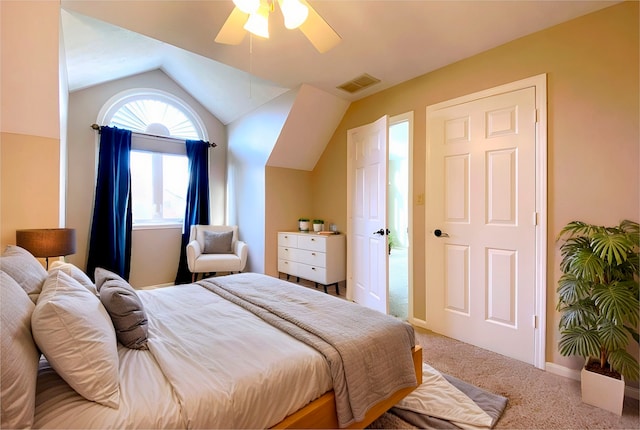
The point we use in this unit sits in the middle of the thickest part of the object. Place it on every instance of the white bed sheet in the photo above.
(211, 364)
(147, 399)
(228, 367)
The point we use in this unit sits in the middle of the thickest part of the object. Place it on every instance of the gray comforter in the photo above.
(369, 353)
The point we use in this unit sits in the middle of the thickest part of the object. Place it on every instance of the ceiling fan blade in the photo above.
(232, 32)
(319, 33)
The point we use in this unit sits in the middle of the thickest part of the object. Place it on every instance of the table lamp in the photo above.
(47, 242)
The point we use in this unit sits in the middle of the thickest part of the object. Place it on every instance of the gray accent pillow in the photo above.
(218, 242)
(25, 269)
(124, 307)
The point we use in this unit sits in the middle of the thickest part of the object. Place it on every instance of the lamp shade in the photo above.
(47, 242)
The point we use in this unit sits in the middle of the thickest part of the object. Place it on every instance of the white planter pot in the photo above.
(602, 391)
(304, 225)
(318, 227)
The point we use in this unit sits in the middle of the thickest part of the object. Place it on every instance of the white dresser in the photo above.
(311, 256)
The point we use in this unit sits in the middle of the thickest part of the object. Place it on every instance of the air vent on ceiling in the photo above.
(359, 83)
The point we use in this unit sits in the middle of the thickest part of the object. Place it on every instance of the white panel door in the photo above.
(480, 232)
(367, 263)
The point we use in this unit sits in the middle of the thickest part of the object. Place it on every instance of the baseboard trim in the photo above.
(153, 287)
(556, 369)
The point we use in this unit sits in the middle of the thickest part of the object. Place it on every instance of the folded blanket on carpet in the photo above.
(443, 401)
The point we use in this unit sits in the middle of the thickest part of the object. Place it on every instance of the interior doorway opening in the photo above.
(398, 216)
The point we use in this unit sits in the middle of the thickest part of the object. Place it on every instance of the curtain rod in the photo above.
(211, 144)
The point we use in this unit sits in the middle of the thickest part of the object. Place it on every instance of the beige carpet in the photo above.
(537, 399)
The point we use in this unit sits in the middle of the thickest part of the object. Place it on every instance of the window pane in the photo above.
(159, 185)
(143, 115)
(175, 174)
(142, 186)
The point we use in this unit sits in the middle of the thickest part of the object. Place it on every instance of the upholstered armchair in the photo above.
(215, 248)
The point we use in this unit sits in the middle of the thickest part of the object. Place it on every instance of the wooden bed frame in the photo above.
(321, 413)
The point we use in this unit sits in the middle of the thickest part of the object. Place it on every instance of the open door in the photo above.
(367, 264)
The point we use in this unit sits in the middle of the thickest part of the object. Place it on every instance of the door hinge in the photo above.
(536, 116)
(535, 321)
(534, 218)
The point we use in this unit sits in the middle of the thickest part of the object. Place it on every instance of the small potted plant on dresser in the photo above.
(303, 224)
(318, 225)
(599, 306)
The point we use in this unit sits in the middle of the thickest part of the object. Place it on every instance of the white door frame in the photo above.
(539, 82)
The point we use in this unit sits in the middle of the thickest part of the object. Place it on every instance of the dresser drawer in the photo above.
(312, 273)
(286, 253)
(289, 267)
(286, 239)
(312, 258)
(313, 243)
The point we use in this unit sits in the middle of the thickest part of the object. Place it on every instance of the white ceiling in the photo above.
(392, 40)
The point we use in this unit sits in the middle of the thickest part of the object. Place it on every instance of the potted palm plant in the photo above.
(599, 306)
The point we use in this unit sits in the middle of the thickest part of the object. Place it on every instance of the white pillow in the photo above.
(75, 272)
(74, 331)
(18, 357)
(25, 269)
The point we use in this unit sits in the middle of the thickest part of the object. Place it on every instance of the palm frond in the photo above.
(630, 227)
(616, 303)
(612, 336)
(582, 313)
(624, 363)
(579, 341)
(571, 289)
(577, 228)
(612, 247)
(587, 265)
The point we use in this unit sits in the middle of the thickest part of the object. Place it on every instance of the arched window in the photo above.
(159, 167)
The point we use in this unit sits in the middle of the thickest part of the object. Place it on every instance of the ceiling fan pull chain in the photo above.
(250, 66)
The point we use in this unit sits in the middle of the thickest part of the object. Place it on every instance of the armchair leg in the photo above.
(193, 277)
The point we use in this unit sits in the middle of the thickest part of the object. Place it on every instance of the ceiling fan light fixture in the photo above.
(258, 22)
(247, 6)
(294, 12)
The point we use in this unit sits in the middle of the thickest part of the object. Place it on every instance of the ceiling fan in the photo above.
(253, 16)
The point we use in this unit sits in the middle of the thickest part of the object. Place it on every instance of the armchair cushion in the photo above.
(218, 242)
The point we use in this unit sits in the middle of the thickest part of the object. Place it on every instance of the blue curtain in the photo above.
(197, 211)
(110, 242)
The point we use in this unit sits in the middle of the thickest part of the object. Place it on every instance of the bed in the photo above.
(236, 351)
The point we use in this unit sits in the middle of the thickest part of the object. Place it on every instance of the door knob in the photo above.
(440, 233)
(382, 232)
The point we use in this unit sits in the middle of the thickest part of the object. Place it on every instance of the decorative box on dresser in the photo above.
(315, 257)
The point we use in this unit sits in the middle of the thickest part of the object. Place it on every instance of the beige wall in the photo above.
(593, 130)
(30, 113)
(288, 192)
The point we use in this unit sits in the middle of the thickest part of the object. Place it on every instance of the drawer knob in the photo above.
(313, 253)
(313, 240)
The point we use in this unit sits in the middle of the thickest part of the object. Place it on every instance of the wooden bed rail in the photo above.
(321, 413)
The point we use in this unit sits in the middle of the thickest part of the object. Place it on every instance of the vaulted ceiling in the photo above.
(391, 40)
